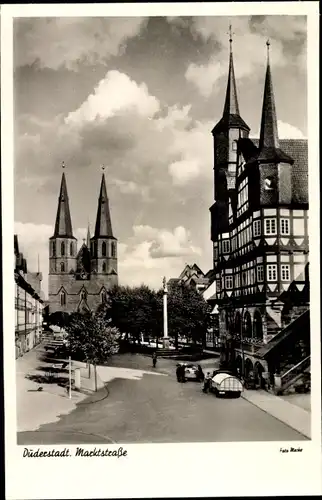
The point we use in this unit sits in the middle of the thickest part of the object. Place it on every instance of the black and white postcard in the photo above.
(160, 208)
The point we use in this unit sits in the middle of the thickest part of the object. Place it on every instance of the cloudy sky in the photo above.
(140, 95)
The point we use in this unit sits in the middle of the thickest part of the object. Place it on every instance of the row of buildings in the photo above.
(29, 304)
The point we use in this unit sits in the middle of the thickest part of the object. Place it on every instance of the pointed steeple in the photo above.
(231, 102)
(63, 225)
(269, 147)
(103, 226)
(269, 132)
(231, 117)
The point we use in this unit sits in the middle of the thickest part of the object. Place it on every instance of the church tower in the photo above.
(103, 243)
(62, 246)
(230, 128)
(275, 166)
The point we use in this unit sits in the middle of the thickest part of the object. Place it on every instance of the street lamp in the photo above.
(165, 315)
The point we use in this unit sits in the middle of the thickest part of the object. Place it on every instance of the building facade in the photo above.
(28, 304)
(191, 276)
(79, 280)
(259, 224)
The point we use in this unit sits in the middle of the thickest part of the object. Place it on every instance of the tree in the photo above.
(92, 338)
(188, 313)
(134, 311)
(58, 318)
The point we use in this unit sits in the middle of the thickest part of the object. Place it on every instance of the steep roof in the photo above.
(269, 146)
(297, 149)
(103, 226)
(63, 225)
(231, 116)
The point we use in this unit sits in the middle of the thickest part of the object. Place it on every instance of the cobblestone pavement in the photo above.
(157, 409)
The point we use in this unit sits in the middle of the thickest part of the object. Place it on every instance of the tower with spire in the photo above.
(80, 280)
(259, 224)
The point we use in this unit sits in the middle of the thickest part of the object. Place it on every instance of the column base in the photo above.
(166, 343)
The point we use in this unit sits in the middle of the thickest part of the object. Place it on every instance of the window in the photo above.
(63, 299)
(271, 272)
(54, 249)
(270, 226)
(113, 249)
(244, 278)
(71, 249)
(229, 282)
(104, 267)
(257, 228)
(62, 249)
(285, 226)
(285, 272)
(215, 253)
(237, 280)
(62, 267)
(234, 146)
(243, 196)
(103, 297)
(260, 273)
(83, 294)
(104, 249)
(225, 246)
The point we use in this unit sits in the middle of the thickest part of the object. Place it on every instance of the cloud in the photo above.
(68, 42)
(204, 76)
(115, 93)
(152, 253)
(285, 131)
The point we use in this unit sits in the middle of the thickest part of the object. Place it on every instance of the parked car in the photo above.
(225, 383)
(191, 372)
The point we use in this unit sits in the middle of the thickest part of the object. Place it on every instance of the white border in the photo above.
(226, 469)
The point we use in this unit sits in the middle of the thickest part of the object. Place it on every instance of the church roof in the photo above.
(103, 226)
(63, 225)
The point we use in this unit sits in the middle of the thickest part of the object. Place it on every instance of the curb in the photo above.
(92, 394)
(300, 431)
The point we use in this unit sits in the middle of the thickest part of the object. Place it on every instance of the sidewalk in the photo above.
(292, 415)
(37, 408)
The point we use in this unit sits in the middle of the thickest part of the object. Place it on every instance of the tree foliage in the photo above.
(91, 337)
(59, 318)
(139, 311)
(188, 313)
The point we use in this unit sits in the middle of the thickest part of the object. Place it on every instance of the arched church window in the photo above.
(113, 249)
(104, 249)
(63, 298)
(71, 250)
(83, 294)
(54, 249)
(62, 249)
(103, 297)
(62, 267)
(104, 267)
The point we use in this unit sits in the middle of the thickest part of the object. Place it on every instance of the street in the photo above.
(157, 409)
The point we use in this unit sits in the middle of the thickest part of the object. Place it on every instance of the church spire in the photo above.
(269, 132)
(269, 147)
(103, 226)
(63, 225)
(231, 102)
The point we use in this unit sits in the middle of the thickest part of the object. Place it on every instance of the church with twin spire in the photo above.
(79, 279)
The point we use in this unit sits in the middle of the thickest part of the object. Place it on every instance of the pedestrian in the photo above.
(178, 373)
(200, 374)
(154, 359)
(206, 384)
(183, 373)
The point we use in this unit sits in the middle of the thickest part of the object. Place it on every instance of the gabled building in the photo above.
(191, 276)
(79, 280)
(259, 224)
(28, 304)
